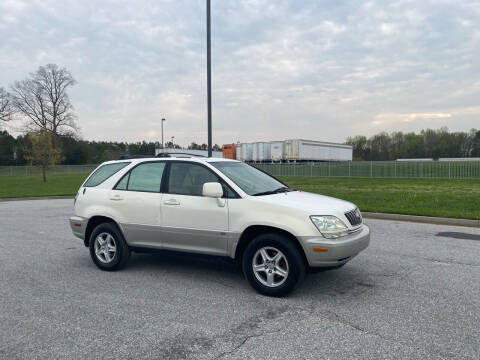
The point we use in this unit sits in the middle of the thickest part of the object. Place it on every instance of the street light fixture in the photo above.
(163, 148)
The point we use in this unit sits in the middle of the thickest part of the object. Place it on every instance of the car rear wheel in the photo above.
(108, 248)
(273, 265)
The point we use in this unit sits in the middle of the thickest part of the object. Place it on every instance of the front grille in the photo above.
(354, 216)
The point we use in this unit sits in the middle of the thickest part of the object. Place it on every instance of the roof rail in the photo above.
(128, 156)
(181, 154)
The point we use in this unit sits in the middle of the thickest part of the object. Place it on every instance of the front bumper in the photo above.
(78, 225)
(335, 252)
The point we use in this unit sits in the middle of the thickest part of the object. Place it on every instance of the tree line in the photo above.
(79, 152)
(429, 143)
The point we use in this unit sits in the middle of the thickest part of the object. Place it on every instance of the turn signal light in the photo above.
(320, 249)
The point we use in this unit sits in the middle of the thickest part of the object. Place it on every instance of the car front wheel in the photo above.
(273, 265)
(108, 248)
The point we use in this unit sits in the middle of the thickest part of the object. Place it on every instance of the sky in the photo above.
(321, 70)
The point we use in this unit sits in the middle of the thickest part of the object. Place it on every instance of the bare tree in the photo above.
(6, 108)
(43, 100)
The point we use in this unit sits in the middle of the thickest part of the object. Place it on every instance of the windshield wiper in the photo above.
(276, 191)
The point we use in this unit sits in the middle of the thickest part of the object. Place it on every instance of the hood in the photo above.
(313, 204)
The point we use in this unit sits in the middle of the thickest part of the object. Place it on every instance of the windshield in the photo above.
(250, 179)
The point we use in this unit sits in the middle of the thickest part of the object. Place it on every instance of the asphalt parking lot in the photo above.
(414, 293)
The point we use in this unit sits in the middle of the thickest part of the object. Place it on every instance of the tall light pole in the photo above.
(209, 83)
(163, 149)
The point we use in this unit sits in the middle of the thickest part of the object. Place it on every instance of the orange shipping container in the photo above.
(229, 151)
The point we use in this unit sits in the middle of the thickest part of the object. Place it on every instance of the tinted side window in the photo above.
(228, 192)
(103, 173)
(122, 184)
(145, 177)
(188, 179)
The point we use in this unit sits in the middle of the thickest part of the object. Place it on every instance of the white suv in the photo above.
(219, 207)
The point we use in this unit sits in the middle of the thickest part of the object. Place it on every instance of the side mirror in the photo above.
(212, 189)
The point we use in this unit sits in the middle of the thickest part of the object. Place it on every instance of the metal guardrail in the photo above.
(378, 169)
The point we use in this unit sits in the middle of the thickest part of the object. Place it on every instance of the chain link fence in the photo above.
(374, 169)
(378, 169)
(37, 170)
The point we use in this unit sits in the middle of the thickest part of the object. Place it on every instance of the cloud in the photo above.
(387, 28)
(281, 69)
(152, 134)
(382, 119)
(12, 5)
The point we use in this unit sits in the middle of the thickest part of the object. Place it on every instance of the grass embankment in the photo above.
(442, 198)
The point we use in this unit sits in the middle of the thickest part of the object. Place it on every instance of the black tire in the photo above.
(122, 252)
(294, 263)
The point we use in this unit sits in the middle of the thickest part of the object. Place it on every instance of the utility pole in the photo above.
(209, 82)
(163, 148)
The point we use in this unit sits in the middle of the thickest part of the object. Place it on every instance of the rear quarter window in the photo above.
(103, 173)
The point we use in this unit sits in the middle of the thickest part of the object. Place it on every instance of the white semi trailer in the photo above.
(310, 150)
(246, 152)
(277, 151)
(294, 150)
(260, 151)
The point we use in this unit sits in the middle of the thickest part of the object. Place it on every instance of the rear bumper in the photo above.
(335, 252)
(78, 225)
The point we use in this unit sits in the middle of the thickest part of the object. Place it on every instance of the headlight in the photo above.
(331, 227)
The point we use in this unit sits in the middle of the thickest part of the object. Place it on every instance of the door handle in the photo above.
(171, 202)
(116, 198)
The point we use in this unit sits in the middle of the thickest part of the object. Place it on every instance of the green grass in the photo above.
(443, 198)
(31, 186)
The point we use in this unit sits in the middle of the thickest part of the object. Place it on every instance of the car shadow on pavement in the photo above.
(172, 260)
(339, 282)
(336, 282)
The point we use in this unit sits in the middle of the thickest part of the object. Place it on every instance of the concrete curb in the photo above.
(38, 198)
(423, 219)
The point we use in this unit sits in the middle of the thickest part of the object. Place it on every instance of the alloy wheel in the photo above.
(270, 266)
(105, 247)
